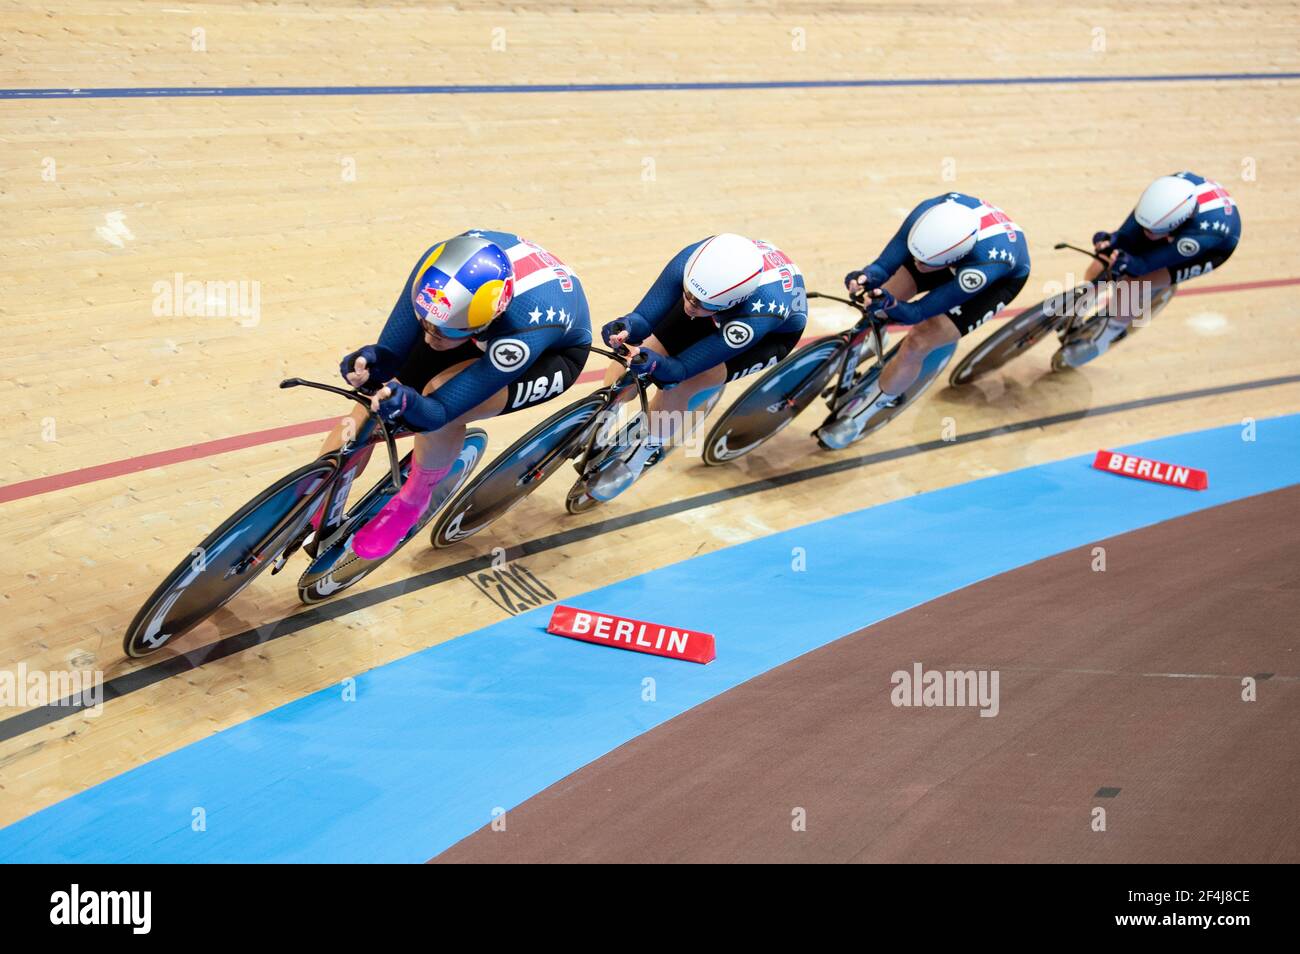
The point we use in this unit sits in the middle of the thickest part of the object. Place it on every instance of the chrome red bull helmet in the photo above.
(462, 285)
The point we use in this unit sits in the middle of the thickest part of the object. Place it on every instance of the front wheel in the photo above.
(766, 408)
(229, 559)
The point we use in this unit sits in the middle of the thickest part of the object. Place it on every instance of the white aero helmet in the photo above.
(723, 271)
(944, 233)
(1166, 204)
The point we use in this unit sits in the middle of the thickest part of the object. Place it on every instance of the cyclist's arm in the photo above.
(947, 296)
(1169, 255)
(479, 381)
(659, 301)
(402, 330)
(1129, 235)
(713, 350)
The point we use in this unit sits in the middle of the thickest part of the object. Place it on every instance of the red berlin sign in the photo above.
(1152, 470)
(633, 634)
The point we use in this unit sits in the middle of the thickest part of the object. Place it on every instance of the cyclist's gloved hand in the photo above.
(616, 327)
(858, 282)
(377, 364)
(1122, 263)
(881, 302)
(646, 361)
(400, 397)
(1101, 241)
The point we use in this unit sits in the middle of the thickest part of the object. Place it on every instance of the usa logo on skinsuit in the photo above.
(737, 334)
(1187, 247)
(971, 279)
(508, 354)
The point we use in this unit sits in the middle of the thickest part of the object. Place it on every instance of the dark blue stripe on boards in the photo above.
(181, 92)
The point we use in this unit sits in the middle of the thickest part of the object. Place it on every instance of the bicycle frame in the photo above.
(849, 341)
(1101, 279)
(333, 488)
(611, 393)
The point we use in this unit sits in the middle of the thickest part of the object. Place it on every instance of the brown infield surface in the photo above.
(1120, 690)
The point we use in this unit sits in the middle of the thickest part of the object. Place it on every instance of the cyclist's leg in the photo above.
(925, 338)
(678, 412)
(1132, 298)
(673, 418)
(346, 426)
(921, 339)
(426, 369)
(905, 367)
(905, 284)
(435, 453)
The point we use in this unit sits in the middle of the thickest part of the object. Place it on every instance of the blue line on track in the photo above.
(183, 92)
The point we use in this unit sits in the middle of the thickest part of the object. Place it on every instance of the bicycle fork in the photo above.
(598, 426)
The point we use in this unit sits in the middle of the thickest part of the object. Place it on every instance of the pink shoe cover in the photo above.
(386, 529)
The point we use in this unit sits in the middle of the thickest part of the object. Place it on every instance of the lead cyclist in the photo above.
(488, 323)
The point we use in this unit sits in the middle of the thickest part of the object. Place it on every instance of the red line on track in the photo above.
(131, 465)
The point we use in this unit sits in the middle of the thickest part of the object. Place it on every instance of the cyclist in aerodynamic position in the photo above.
(487, 323)
(968, 257)
(1182, 227)
(722, 308)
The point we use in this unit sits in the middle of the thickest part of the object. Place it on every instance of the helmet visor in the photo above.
(446, 334)
(696, 303)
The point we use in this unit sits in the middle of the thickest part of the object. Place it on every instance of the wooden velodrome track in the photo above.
(104, 197)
